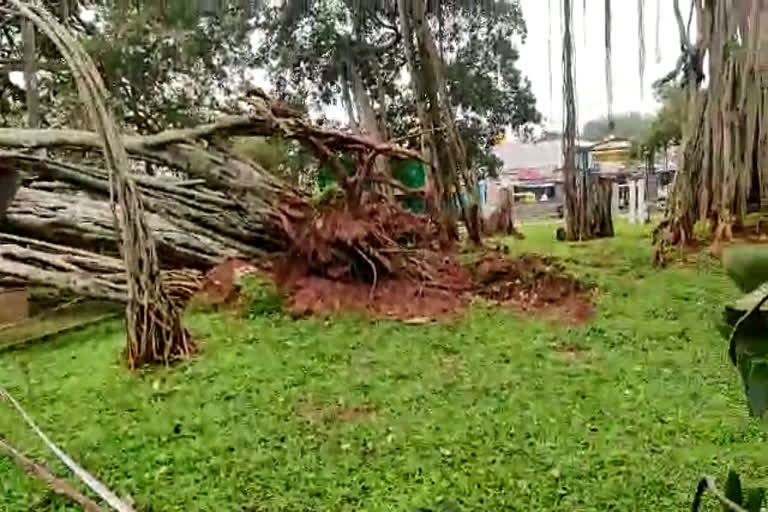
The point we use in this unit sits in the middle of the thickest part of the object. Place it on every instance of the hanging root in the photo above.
(153, 323)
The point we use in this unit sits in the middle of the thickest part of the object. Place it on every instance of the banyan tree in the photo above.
(153, 320)
(587, 196)
(723, 167)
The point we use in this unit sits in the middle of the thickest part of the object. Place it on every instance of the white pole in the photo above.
(614, 200)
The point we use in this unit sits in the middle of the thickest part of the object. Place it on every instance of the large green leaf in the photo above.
(755, 499)
(733, 490)
(754, 373)
(747, 265)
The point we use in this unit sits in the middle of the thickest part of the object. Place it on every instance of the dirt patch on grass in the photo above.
(535, 284)
(220, 285)
(573, 353)
(530, 283)
(397, 298)
(320, 413)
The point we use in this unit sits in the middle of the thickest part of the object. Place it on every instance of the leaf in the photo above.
(755, 499)
(754, 373)
(733, 490)
(746, 265)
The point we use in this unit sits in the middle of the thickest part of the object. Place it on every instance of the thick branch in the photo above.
(57, 485)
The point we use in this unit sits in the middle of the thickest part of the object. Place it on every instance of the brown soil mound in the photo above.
(531, 283)
(366, 243)
(220, 283)
(444, 292)
(534, 283)
(373, 256)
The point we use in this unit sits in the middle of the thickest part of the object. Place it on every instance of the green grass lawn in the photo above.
(495, 411)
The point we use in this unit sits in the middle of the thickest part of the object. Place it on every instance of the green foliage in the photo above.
(262, 296)
(165, 64)
(495, 411)
(747, 265)
(283, 158)
(442, 506)
(733, 488)
(666, 127)
(306, 56)
(755, 499)
(632, 126)
(483, 78)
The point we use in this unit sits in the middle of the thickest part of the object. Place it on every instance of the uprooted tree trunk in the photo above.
(359, 237)
(723, 160)
(60, 214)
(79, 272)
(153, 321)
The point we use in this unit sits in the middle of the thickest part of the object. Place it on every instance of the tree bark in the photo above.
(10, 180)
(30, 73)
(72, 218)
(369, 124)
(597, 193)
(572, 213)
(221, 221)
(83, 273)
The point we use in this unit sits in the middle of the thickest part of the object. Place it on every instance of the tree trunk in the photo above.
(573, 217)
(723, 158)
(456, 181)
(153, 322)
(10, 180)
(346, 99)
(83, 273)
(30, 73)
(369, 124)
(502, 221)
(222, 220)
(452, 156)
(597, 193)
(76, 220)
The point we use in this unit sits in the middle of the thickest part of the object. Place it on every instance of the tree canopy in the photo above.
(361, 65)
(632, 125)
(179, 63)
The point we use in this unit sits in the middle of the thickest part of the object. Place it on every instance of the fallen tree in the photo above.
(209, 203)
(83, 273)
(68, 217)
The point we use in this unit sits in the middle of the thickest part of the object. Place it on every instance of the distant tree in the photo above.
(666, 125)
(165, 64)
(633, 126)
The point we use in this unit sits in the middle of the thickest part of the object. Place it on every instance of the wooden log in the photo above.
(10, 180)
(81, 272)
(80, 221)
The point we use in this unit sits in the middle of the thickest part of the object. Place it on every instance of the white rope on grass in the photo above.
(88, 479)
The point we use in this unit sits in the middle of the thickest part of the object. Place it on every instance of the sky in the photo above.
(591, 92)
